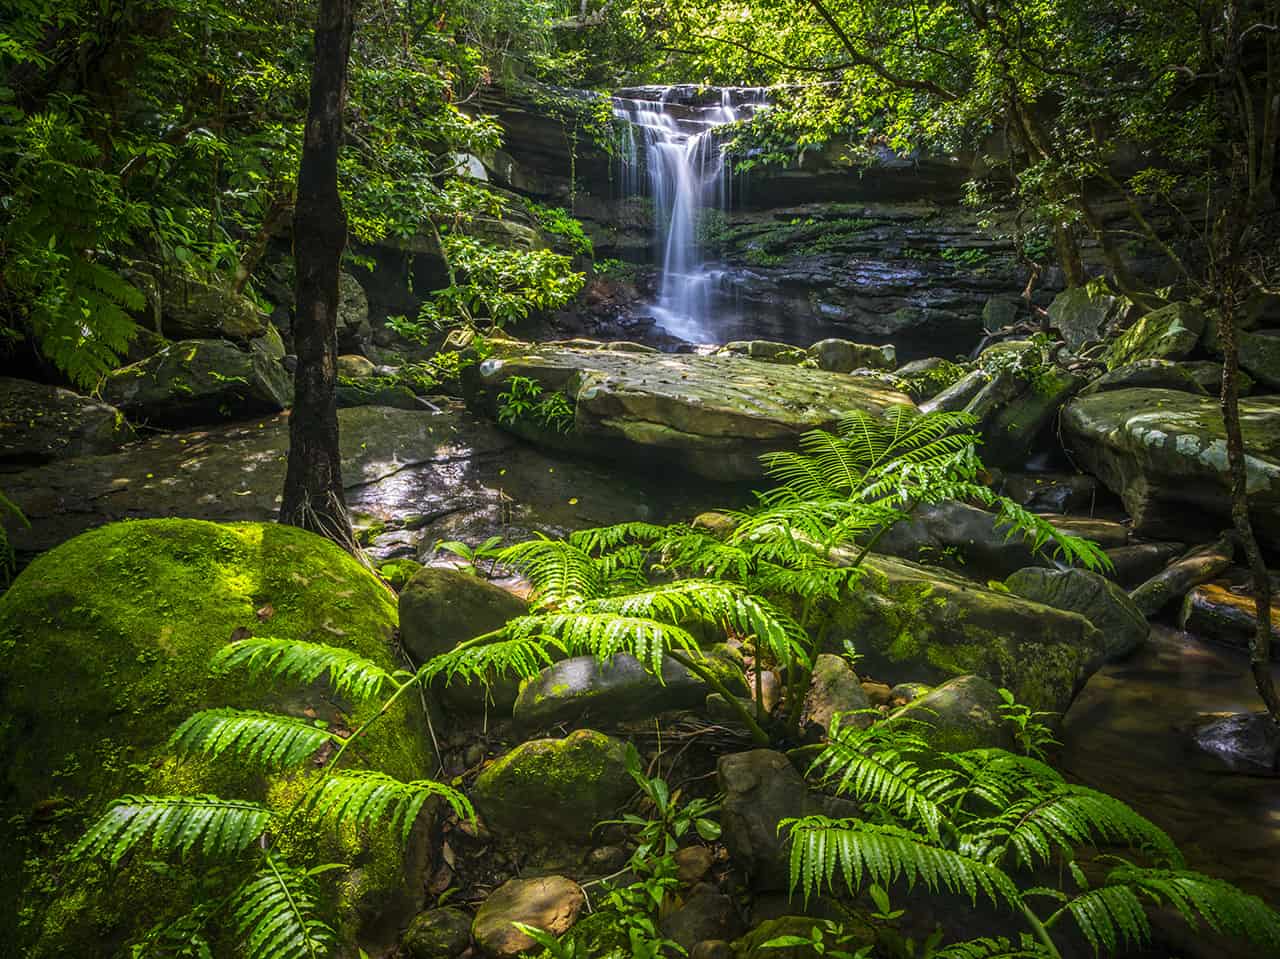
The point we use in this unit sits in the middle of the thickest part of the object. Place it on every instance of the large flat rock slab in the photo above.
(428, 476)
(1165, 453)
(710, 415)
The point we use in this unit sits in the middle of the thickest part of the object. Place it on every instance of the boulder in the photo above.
(555, 788)
(1209, 375)
(354, 328)
(710, 415)
(549, 903)
(1123, 626)
(1049, 492)
(185, 306)
(1000, 312)
(706, 913)
(353, 366)
(583, 687)
(442, 607)
(1224, 611)
(1169, 333)
(1164, 452)
(40, 423)
(924, 379)
(443, 933)
(376, 391)
(959, 715)
(959, 394)
(1260, 355)
(107, 641)
(765, 350)
(199, 381)
(960, 537)
(910, 623)
(1148, 374)
(1138, 562)
(833, 688)
(845, 356)
(1084, 314)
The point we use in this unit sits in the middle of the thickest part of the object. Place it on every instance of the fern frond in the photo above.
(994, 948)
(274, 914)
(365, 797)
(268, 740)
(208, 825)
(995, 777)
(560, 571)
(607, 632)
(601, 539)
(521, 656)
(347, 673)
(1114, 913)
(854, 851)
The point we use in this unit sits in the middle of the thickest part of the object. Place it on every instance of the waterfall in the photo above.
(678, 158)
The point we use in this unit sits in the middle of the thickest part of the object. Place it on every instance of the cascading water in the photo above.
(686, 174)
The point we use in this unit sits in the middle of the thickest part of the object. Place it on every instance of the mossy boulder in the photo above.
(845, 356)
(1169, 333)
(107, 641)
(199, 381)
(555, 788)
(1083, 314)
(918, 624)
(1155, 373)
(1123, 626)
(443, 933)
(959, 715)
(1165, 453)
(184, 304)
(767, 351)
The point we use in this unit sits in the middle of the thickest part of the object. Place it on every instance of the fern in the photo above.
(363, 798)
(522, 657)
(265, 739)
(993, 948)
(559, 571)
(857, 852)
(346, 672)
(214, 828)
(274, 914)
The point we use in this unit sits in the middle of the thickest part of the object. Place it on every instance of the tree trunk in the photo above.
(313, 497)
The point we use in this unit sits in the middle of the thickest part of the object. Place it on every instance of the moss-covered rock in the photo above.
(107, 641)
(555, 788)
(765, 350)
(845, 356)
(443, 933)
(1154, 373)
(1169, 333)
(1083, 314)
(1123, 626)
(912, 623)
(959, 715)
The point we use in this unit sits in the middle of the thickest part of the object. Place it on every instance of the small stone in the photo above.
(549, 903)
(693, 863)
(437, 934)
(878, 694)
(833, 688)
(904, 693)
(604, 860)
(355, 367)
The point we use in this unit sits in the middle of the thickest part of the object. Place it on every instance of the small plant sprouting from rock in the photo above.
(525, 401)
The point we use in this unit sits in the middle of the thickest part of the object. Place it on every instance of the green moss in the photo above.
(108, 639)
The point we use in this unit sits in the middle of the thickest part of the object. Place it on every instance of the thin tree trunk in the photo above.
(313, 496)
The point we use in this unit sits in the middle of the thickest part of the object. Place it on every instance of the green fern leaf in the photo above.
(265, 739)
(347, 673)
(175, 825)
(363, 798)
(274, 914)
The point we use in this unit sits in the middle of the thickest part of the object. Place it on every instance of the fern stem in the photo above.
(758, 735)
(1040, 932)
(297, 912)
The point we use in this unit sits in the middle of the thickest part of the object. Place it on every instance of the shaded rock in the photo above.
(693, 863)
(833, 688)
(761, 788)
(1243, 742)
(270, 344)
(878, 694)
(184, 306)
(706, 914)
(443, 933)
(1209, 375)
(711, 415)
(712, 949)
(1138, 562)
(557, 788)
(766, 350)
(354, 328)
(904, 693)
(1170, 333)
(1049, 492)
(1164, 452)
(961, 714)
(376, 392)
(440, 608)
(1084, 314)
(1123, 626)
(960, 537)
(959, 394)
(1197, 566)
(924, 379)
(108, 640)
(915, 624)
(845, 356)
(1154, 373)
(199, 381)
(1260, 355)
(1224, 611)
(40, 423)
(1000, 312)
(618, 689)
(1010, 426)
(1107, 533)
(549, 903)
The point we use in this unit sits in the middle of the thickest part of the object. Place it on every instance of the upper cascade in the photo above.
(670, 152)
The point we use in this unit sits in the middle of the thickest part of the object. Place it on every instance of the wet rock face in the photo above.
(39, 423)
(1164, 452)
(710, 415)
(1243, 742)
(1224, 611)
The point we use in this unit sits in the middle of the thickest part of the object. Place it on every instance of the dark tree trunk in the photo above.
(313, 497)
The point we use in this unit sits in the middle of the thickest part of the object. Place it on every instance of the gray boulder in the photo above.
(185, 306)
(1157, 373)
(1123, 626)
(41, 423)
(199, 381)
(1260, 355)
(440, 608)
(1083, 314)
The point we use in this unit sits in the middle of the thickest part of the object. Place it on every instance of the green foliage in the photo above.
(274, 913)
(661, 833)
(1030, 730)
(524, 400)
(366, 797)
(265, 740)
(558, 222)
(8, 561)
(175, 826)
(825, 938)
(304, 663)
(980, 823)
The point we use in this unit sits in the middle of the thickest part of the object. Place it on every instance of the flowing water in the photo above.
(671, 153)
